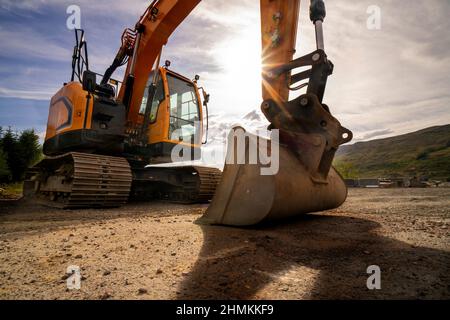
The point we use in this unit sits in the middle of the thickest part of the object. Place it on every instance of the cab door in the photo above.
(158, 114)
(184, 111)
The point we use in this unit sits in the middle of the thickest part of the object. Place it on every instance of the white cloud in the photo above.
(25, 94)
(24, 42)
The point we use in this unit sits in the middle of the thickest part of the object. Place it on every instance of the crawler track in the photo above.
(184, 184)
(80, 180)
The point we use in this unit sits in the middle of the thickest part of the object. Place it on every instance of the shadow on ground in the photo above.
(244, 263)
(24, 215)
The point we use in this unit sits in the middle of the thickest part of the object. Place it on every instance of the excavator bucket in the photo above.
(299, 178)
(246, 197)
(291, 173)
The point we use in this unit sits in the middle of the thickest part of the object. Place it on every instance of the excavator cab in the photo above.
(173, 113)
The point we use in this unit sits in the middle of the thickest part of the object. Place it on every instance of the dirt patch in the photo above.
(155, 251)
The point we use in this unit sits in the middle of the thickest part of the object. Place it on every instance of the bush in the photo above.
(346, 169)
(422, 156)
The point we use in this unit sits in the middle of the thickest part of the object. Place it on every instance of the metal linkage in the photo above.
(310, 131)
(317, 76)
(305, 123)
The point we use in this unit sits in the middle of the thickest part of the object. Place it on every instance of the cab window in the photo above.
(184, 110)
(157, 98)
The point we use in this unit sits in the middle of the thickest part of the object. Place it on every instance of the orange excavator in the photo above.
(100, 139)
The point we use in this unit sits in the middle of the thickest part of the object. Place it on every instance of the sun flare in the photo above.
(239, 58)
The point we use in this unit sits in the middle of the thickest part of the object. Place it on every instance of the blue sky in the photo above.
(386, 82)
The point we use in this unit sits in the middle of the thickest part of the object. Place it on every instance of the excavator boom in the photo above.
(143, 45)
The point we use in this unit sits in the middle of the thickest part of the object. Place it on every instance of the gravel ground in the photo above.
(155, 251)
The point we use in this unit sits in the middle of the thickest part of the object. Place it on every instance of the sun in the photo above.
(239, 58)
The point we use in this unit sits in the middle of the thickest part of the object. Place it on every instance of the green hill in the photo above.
(421, 153)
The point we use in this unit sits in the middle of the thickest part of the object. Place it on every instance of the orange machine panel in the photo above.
(67, 110)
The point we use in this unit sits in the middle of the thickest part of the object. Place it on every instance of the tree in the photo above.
(5, 175)
(10, 148)
(20, 152)
(29, 146)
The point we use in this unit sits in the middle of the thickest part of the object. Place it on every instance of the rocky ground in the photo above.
(155, 251)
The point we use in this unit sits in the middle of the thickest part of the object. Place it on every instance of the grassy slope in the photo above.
(425, 152)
